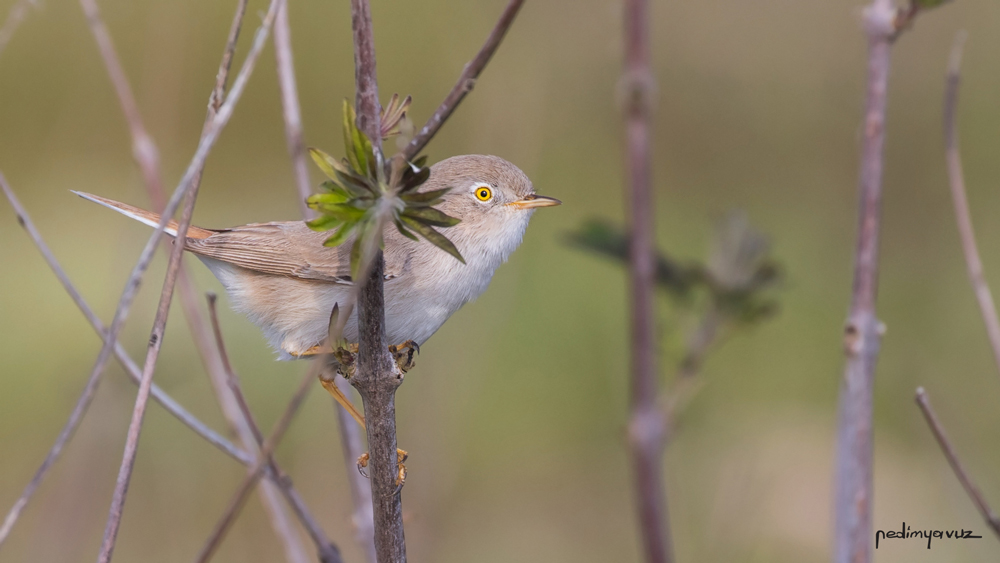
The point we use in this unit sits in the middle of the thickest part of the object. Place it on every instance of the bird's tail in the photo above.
(145, 217)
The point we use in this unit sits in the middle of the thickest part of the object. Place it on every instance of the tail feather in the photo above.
(145, 217)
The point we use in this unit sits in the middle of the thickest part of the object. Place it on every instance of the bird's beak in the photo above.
(535, 200)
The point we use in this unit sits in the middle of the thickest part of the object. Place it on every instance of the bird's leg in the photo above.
(401, 456)
(403, 354)
(345, 367)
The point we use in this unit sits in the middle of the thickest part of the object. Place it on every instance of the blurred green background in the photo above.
(514, 417)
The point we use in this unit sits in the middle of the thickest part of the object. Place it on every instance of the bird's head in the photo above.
(493, 199)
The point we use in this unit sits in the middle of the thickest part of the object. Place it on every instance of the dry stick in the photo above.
(290, 108)
(146, 155)
(377, 377)
(956, 180)
(185, 188)
(88, 393)
(328, 552)
(17, 13)
(646, 425)
(159, 395)
(862, 333)
(361, 492)
(924, 402)
(466, 81)
(266, 449)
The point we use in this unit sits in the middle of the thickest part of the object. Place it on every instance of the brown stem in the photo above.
(862, 334)
(466, 81)
(377, 376)
(258, 468)
(328, 552)
(646, 425)
(184, 189)
(992, 520)
(956, 180)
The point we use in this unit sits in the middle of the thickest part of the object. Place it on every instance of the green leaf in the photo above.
(414, 180)
(424, 199)
(403, 230)
(342, 211)
(361, 243)
(325, 162)
(335, 195)
(432, 236)
(324, 223)
(349, 128)
(431, 216)
(338, 238)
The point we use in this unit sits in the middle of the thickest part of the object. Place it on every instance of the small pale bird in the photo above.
(283, 278)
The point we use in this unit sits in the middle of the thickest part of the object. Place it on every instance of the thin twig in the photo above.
(377, 377)
(185, 189)
(646, 425)
(956, 180)
(924, 402)
(291, 111)
(862, 334)
(18, 12)
(466, 81)
(361, 493)
(266, 449)
(327, 550)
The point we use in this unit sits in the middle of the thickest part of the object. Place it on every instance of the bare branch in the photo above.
(646, 425)
(327, 550)
(361, 494)
(18, 12)
(924, 402)
(377, 377)
(862, 334)
(466, 81)
(956, 180)
(291, 110)
(266, 449)
(187, 190)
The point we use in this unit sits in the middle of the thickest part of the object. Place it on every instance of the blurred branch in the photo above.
(188, 190)
(258, 468)
(862, 334)
(328, 552)
(130, 367)
(361, 494)
(377, 377)
(956, 180)
(291, 110)
(923, 401)
(466, 81)
(646, 427)
(18, 12)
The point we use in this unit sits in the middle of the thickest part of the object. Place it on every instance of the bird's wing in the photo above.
(292, 249)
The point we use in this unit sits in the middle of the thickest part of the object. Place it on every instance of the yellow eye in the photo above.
(483, 193)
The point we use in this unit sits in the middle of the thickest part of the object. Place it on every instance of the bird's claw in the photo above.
(403, 354)
(401, 456)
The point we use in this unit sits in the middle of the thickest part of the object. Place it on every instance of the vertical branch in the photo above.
(291, 110)
(377, 376)
(361, 493)
(646, 426)
(956, 181)
(862, 333)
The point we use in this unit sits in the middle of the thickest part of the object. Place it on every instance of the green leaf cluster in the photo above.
(358, 199)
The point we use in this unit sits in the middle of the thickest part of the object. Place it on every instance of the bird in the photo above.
(285, 281)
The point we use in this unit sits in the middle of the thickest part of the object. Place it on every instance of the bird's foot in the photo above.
(403, 354)
(401, 456)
